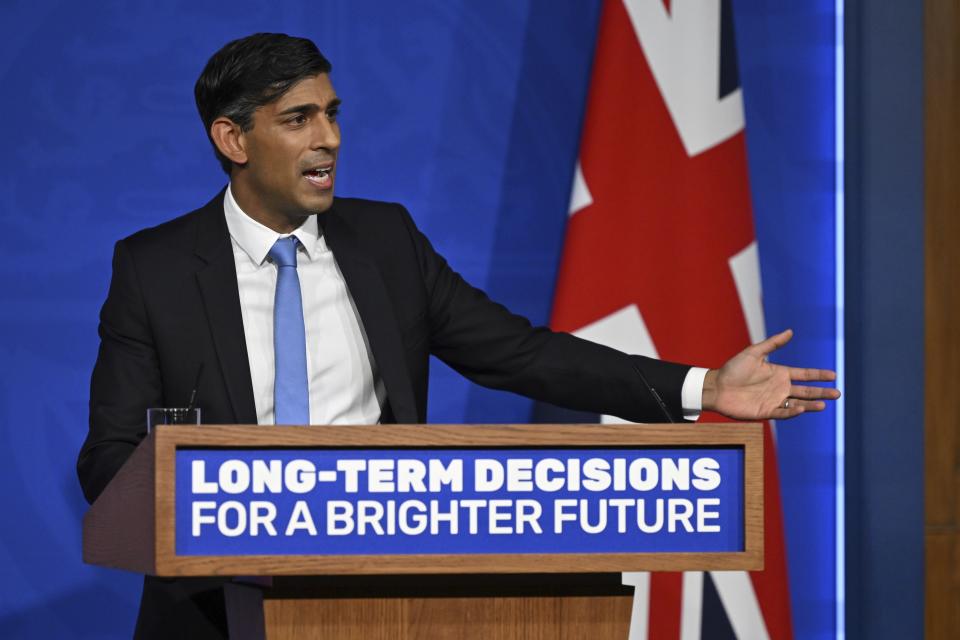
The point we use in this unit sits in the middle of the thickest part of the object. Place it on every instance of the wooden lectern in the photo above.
(543, 594)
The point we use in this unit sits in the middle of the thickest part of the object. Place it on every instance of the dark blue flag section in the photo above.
(458, 501)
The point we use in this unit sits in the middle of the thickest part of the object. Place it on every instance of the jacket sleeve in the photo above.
(126, 379)
(496, 348)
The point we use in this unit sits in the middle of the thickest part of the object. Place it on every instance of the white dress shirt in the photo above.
(691, 394)
(344, 385)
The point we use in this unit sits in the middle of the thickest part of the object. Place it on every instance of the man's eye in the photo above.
(332, 114)
(298, 119)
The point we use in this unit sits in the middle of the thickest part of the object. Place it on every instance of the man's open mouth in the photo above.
(320, 176)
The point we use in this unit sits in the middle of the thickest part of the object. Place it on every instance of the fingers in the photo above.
(809, 405)
(811, 375)
(798, 407)
(813, 393)
(805, 399)
(771, 344)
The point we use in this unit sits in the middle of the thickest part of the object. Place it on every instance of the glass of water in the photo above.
(172, 415)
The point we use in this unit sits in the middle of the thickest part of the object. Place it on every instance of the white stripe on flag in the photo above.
(682, 47)
(580, 197)
(745, 268)
(640, 614)
(740, 602)
(692, 605)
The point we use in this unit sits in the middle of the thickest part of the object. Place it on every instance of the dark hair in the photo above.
(251, 72)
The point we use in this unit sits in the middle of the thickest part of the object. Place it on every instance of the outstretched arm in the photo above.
(748, 387)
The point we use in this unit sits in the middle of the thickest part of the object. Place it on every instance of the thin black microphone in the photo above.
(196, 385)
(653, 392)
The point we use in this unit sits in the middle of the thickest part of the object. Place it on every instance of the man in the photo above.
(280, 304)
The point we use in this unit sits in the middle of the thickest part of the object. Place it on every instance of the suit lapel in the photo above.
(221, 298)
(369, 292)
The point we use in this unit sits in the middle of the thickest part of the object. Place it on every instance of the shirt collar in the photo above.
(256, 239)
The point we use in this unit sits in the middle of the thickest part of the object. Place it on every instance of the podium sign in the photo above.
(237, 502)
(434, 499)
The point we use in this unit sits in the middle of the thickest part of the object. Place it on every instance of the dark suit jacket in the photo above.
(174, 304)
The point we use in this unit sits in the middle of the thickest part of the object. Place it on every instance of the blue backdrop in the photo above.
(467, 112)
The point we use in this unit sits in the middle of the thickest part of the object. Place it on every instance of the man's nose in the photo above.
(326, 134)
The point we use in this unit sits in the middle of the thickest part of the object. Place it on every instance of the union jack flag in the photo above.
(660, 259)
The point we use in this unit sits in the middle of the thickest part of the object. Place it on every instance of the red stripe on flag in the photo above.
(665, 597)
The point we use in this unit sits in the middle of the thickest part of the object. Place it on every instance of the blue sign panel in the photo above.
(395, 502)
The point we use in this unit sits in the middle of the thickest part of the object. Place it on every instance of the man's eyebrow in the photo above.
(310, 107)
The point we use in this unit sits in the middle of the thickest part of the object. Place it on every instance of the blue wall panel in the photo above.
(787, 63)
(469, 113)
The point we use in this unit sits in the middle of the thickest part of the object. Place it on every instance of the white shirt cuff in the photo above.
(691, 394)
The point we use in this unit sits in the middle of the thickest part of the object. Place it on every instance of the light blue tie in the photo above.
(291, 395)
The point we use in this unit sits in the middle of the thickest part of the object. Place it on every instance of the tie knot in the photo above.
(284, 252)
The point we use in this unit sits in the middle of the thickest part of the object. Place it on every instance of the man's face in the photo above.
(292, 151)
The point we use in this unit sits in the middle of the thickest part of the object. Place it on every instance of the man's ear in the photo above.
(228, 136)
